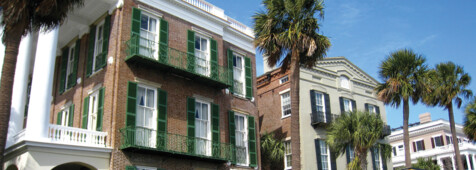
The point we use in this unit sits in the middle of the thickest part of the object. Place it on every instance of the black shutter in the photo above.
(313, 106)
(372, 154)
(414, 147)
(377, 109)
(384, 161)
(318, 153)
(341, 101)
(327, 103)
(354, 106)
(347, 154)
(333, 161)
(367, 107)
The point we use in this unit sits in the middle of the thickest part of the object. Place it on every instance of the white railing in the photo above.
(76, 136)
(439, 150)
(212, 9)
(204, 5)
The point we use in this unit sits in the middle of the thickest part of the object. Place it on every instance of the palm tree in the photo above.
(448, 83)
(402, 72)
(21, 17)
(287, 33)
(470, 121)
(362, 131)
(272, 151)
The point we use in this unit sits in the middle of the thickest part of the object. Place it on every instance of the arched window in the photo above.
(344, 82)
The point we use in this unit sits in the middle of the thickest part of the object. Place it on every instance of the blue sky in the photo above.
(365, 32)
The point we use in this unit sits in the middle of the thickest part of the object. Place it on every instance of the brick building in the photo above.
(136, 84)
(332, 87)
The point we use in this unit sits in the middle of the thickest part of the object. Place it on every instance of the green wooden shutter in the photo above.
(230, 69)
(76, 60)
(215, 130)
(131, 168)
(252, 141)
(71, 115)
(191, 51)
(64, 64)
(248, 78)
(191, 124)
(85, 113)
(161, 119)
(231, 127)
(92, 40)
(317, 146)
(135, 30)
(213, 60)
(131, 104)
(58, 118)
(101, 60)
(163, 41)
(100, 109)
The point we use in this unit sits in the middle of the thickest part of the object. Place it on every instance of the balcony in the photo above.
(146, 52)
(319, 118)
(76, 136)
(137, 138)
(386, 131)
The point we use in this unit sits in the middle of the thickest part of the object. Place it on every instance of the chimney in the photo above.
(266, 68)
(425, 117)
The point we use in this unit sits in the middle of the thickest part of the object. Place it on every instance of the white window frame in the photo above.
(372, 108)
(434, 140)
(344, 82)
(241, 79)
(208, 137)
(70, 64)
(284, 79)
(201, 51)
(398, 150)
(92, 110)
(65, 115)
(281, 94)
(325, 154)
(323, 103)
(98, 46)
(157, 32)
(416, 145)
(450, 137)
(349, 106)
(153, 127)
(245, 139)
(379, 158)
(286, 154)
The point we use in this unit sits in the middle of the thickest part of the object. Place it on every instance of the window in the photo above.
(148, 35)
(93, 111)
(69, 66)
(238, 74)
(286, 104)
(320, 105)
(287, 155)
(325, 158)
(98, 47)
(400, 150)
(351, 153)
(347, 105)
(202, 128)
(241, 133)
(64, 118)
(344, 82)
(146, 116)
(394, 151)
(419, 145)
(377, 159)
(202, 55)
(284, 79)
(371, 108)
(438, 141)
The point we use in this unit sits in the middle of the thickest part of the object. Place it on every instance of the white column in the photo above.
(439, 162)
(42, 86)
(22, 71)
(467, 162)
(453, 161)
(474, 161)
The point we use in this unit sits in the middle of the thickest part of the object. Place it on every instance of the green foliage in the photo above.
(289, 28)
(426, 164)
(362, 130)
(470, 120)
(272, 151)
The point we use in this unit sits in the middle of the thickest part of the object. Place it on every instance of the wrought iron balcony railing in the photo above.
(139, 48)
(148, 139)
(386, 130)
(322, 118)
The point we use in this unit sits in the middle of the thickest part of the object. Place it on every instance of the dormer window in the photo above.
(344, 82)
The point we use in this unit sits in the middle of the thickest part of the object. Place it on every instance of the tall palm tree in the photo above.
(448, 83)
(21, 17)
(287, 32)
(272, 152)
(470, 121)
(362, 131)
(402, 72)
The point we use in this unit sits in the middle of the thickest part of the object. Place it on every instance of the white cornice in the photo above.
(425, 128)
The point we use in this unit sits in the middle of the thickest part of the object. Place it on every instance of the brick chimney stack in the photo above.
(425, 117)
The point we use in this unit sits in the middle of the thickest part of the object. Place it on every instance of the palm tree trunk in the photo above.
(363, 160)
(12, 43)
(459, 162)
(406, 136)
(295, 136)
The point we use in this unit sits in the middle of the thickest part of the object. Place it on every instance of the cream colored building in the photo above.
(432, 139)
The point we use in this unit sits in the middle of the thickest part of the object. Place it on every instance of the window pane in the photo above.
(152, 25)
(140, 96)
(197, 42)
(204, 44)
(150, 98)
(143, 22)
